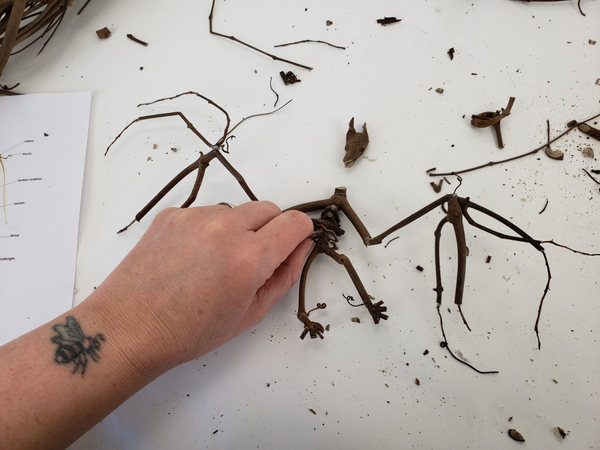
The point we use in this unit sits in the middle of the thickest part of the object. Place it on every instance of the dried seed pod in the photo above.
(516, 435)
(588, 152)
(554, 154)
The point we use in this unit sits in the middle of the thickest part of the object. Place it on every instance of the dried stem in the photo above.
(310, 40)
(233, 38)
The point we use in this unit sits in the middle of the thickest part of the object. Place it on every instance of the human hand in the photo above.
(201, 276)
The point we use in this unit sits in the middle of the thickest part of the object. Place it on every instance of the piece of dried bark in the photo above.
(104, 33)
(387, 20)
(356, 144)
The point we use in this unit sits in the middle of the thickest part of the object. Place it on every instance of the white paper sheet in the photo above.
(43, 140)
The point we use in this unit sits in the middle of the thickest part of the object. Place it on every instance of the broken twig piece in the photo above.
(134, 39)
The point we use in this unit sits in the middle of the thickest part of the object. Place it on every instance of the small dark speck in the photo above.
(46, 134)
(312, 411)
(426, 352)
(215, 432)
(419, 268)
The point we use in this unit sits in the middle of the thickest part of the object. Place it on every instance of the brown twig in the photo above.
(134, 39)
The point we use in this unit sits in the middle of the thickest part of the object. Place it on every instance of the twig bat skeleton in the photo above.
(327, 229)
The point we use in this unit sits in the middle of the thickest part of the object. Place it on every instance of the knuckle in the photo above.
(300, 221)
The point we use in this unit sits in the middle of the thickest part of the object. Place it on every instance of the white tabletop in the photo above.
(258, 390)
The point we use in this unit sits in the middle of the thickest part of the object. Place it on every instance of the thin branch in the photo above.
(310, 40)
(444, 344)
(233, 38)
(590, 175)
(274, 92)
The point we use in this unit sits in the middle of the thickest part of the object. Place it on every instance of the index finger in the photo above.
(280, 236)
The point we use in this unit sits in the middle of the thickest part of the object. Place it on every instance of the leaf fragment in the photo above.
(356, 144)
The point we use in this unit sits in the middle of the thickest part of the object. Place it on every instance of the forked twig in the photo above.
(202, 162)
(233, 38)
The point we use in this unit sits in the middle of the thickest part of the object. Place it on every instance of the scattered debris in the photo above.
(426, 352)
(356, 144)
(387, 20)
(104, 33)
(487, 119)
(561, 433)
(134, 39)
(592, 42)
(173, 149)
(555, 381)
(329, 23)
(516, 435)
